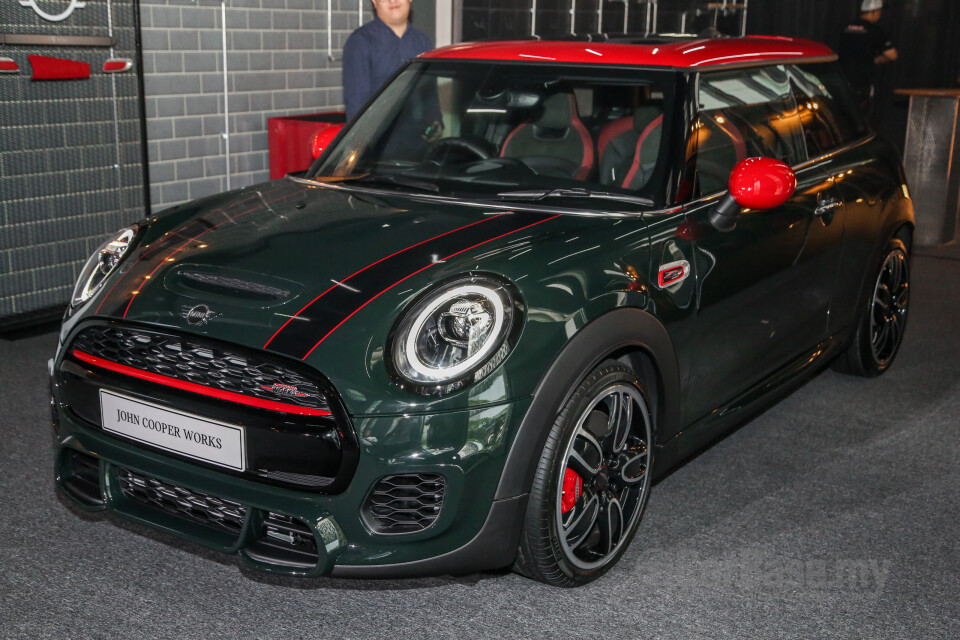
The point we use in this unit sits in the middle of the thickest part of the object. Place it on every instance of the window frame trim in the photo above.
(868, 136)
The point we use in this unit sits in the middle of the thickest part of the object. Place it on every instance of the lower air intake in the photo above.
(81, 477)
(284, 541)
(201, 508)
(404, 503)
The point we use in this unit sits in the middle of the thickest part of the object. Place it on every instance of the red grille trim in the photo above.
(192, 387)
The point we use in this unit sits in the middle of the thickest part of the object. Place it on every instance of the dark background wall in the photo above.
(926, 33)
(423, 15)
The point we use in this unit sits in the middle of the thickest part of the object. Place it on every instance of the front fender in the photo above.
(627, 328)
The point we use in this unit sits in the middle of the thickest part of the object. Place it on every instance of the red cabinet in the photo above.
(289, 140)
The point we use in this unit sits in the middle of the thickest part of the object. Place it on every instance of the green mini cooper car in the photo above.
(527, 279)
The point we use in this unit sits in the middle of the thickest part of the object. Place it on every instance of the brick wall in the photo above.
(277, 65)
(70, 155)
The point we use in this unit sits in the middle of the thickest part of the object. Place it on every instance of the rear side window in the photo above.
(827, 109)
(742, 114)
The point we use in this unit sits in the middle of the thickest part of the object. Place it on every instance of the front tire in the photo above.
(592, 481)
(879, 331)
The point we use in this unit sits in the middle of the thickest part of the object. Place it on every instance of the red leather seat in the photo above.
(555, 142)
(628, 148)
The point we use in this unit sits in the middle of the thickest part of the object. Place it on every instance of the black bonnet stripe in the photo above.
(301, 335)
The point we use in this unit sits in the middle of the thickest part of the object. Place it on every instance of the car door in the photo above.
(836, 137)
(759, 305)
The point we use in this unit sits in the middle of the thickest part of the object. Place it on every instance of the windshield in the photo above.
(495, 130)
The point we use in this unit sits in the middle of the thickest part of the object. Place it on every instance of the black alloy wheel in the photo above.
(880, 330)
(888, 313)
(592, 482)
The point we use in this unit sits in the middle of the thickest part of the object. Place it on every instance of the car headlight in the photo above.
(457, 334)
(101, 264)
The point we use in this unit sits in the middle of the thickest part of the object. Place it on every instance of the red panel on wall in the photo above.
(46, 68)
(289, 140)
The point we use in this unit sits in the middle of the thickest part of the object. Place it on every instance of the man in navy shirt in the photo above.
(374, 52)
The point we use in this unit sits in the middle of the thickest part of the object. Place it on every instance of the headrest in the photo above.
(559, 110)
(644, 116)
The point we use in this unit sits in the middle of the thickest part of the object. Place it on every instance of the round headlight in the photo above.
(101, 264)
(459, 332)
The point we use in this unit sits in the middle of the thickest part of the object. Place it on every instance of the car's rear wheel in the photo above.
(880, 329)
(592, 482)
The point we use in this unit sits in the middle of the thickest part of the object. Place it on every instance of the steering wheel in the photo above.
(461, 146)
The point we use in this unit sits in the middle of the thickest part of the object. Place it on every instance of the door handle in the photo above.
(826, 206)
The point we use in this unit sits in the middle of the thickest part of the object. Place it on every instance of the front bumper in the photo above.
(467, 448)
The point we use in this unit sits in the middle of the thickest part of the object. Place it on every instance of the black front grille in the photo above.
(203, 361)
(192, 505)
(404, 503)
(286, 445)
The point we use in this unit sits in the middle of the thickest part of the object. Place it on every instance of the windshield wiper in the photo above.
(402, 181)
(541, 194)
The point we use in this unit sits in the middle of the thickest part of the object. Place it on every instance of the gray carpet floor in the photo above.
(835, 514)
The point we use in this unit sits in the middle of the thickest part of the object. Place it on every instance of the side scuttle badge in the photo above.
(673, 273)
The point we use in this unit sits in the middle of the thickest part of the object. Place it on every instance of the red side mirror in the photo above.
(322, 139)
(755, 183)
(762, 183)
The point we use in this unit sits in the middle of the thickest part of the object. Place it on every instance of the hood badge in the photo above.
(198, 315)
(287, 390)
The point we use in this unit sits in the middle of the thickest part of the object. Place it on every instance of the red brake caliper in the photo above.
(572, 488)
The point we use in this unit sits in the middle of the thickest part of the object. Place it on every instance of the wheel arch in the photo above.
(630, 335)
(897, 223)
(898, 218)
(905, 234)
(638, 358)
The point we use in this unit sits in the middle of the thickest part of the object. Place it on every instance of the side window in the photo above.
(744, 113)
(828, 111)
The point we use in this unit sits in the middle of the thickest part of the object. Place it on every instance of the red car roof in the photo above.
(685, 53)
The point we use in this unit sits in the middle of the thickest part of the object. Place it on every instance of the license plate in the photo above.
(184, 433)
